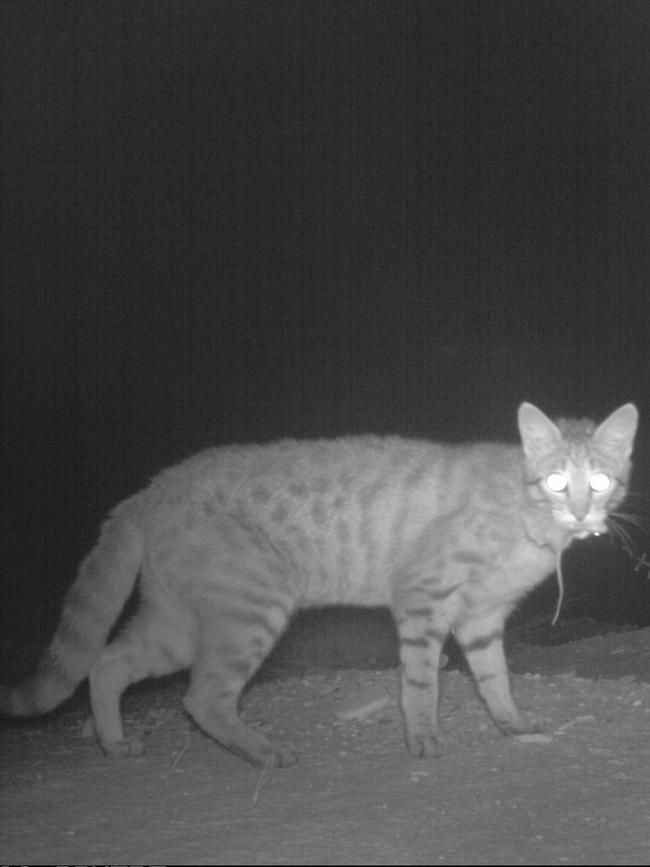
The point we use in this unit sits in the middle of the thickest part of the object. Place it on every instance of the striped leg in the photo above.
(422, 635)
(481, 640)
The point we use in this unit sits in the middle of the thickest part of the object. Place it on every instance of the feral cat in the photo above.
(230, 542)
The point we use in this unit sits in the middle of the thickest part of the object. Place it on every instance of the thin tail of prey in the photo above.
(105, 581)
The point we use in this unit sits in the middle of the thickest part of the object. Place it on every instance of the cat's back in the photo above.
(225, 470)
(357, 465)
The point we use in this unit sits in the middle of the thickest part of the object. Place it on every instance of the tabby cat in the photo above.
(229, 543)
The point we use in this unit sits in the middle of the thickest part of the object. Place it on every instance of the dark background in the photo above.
(245, 219)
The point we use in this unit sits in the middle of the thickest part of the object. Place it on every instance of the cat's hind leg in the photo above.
(237, 635)
(152, 644)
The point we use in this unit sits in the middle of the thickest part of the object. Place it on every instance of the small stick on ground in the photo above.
(181, 754)
(270, 763)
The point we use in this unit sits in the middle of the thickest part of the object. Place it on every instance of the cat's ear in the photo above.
(616, 433)
(539, 435)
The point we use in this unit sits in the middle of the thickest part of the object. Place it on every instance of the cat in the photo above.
(229, 543)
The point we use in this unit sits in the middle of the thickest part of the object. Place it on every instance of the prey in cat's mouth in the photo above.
(583, 534)
(594, 526)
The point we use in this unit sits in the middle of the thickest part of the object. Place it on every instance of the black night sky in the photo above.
(244, 219)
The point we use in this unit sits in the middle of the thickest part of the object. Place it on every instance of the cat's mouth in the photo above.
(583, 534)
(591, 525)
(582, 531)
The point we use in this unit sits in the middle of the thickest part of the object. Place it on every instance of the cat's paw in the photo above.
(426, 746)
(524, 725)
(128, 748)
(270, 755)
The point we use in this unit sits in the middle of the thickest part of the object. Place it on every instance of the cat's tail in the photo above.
(105, 581)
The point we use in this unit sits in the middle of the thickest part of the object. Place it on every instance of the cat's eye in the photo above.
(557, 482)
(599, 482)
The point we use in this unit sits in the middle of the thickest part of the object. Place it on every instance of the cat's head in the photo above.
(580, 469)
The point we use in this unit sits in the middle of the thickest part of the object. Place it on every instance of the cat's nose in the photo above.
(580, 510)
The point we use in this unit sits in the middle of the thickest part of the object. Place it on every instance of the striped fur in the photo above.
(229, 543)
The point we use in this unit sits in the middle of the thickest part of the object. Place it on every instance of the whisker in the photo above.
(620, 532)
(619, 519)
(636, 520)
(627, 541)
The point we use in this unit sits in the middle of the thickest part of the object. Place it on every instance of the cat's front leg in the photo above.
(481, 639)
(421, 640)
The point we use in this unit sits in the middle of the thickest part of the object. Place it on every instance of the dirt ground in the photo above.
(580, 794)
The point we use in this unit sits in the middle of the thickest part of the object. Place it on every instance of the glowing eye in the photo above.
(556, 482)
(599, 482)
